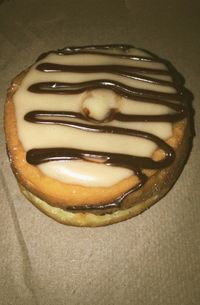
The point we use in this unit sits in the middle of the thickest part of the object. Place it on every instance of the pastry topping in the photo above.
(95, 115)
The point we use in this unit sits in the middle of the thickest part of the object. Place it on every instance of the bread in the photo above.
(97, 134)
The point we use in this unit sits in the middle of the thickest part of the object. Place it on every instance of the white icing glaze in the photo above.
(84, 173)
(99, 102)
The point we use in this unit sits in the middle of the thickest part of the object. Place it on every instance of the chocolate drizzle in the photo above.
(122, 70)
(97, 49)
(175, 101)
(119, 88)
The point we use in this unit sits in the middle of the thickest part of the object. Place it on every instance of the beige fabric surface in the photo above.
(151, 259)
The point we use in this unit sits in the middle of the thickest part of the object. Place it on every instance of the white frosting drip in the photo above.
(43, 136)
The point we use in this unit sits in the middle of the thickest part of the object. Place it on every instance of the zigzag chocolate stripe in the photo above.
(124, 160)
(41, 116)
(127, 71)
(121, 89)
(102, 50)
(37, 156)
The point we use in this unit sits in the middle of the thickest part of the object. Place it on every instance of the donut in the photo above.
(97, 134)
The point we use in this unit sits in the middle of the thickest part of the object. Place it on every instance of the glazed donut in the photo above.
(97, 134)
